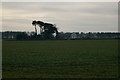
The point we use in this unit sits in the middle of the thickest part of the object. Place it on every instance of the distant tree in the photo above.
(49, 29)
(22, 36)
(34, 24)
(46, 29)
(40, 24)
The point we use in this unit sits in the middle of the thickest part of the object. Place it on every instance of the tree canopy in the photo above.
(46, 29)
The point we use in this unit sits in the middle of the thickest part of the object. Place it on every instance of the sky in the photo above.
(68, 16)
(59, 0)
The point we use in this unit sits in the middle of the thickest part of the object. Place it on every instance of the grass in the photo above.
(60, 59)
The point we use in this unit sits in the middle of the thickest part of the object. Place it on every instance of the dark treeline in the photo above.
(49, 31)
(11, 35)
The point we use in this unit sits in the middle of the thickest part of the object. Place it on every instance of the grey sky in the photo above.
(69, 17)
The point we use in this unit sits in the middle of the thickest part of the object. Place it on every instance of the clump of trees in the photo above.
(22, 36)
(46, 30)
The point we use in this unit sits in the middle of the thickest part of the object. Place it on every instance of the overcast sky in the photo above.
(69, 17)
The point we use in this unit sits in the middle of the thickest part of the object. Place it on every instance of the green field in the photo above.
(60, 59)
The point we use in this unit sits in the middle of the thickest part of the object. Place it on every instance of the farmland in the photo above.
(60, 59)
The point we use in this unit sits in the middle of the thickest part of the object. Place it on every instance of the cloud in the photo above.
(81, 16)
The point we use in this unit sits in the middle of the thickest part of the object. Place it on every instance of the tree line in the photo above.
(49, 31)
(11, 35)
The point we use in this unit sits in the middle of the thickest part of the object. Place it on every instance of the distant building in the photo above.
(75, 35)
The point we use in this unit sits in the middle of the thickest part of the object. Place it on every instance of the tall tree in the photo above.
(47, 29)
(40, 24)
(34, 23)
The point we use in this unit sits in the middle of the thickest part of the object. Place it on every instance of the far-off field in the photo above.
(60, 59)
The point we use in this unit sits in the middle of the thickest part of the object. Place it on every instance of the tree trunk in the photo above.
(35, 29)
(41, 29)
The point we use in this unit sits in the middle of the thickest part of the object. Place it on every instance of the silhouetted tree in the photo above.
(22, 36)
(49, 29)
(40, 24)
(46, 29)
(34, 24)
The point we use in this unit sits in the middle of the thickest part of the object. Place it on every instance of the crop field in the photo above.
(60, 59)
